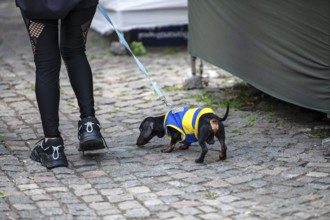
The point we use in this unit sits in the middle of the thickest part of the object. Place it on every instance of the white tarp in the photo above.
(133, 14)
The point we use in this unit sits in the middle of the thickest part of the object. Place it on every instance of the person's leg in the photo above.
(49, 151)
(44, 41)
(74, 30)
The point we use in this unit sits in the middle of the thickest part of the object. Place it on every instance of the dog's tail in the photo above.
(225, 117)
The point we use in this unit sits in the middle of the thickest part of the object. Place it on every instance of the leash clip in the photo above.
(164, 100)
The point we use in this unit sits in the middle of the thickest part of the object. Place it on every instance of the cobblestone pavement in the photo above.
(275, 167)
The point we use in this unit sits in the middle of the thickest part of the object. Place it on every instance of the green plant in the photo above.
(135, 149)
(91, 56)
(265, 132)
(236, 131)
(208, 98)
(138, 49)
(252, 119)
(211, 195)
(170, 51)
(2, 139)
(32, 87)
(114, 111)
(319, 133)
(123, 94)
(2, 194)
(172, 88)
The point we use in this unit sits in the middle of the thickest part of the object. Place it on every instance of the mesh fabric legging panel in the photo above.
(48, 50)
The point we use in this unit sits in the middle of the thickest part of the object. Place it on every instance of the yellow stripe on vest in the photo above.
(183, 135)
(187, 121)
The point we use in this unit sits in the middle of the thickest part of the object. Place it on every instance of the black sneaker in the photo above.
(89, 135)
(50, 154)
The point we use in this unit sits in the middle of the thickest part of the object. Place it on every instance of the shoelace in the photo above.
(56, 153)
(56, 149)
(89, 126)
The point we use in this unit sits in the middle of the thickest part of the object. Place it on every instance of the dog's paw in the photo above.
(168, 149)
(222, 156)
(184, 147)
(199, 161)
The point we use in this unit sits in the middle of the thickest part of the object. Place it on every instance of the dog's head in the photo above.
(149, 128)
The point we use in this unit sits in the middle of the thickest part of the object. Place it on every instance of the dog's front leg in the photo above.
(175, 137)
(168, 149)
(184, 147)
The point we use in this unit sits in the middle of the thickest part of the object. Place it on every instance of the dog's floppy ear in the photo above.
(148, 128)
(160, 130)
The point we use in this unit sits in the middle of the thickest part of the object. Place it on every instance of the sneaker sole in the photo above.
(50, 164)
(91, 145)
(54, 163)
(91, 141)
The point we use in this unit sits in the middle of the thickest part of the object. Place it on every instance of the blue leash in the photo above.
(140, 65)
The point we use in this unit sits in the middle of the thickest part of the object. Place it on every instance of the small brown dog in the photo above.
(186, 126)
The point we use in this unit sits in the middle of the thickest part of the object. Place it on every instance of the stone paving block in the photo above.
(217, 184)
(28, 187)
(56, 189)
(212, 216)
(30, 214)
(81, 210)
(170, 192)
(138, 190)
(228, 199)
(188, 217)
(100, 205)
(120, 198)
(80, 187)
(129, 205)
(22, 206)
(41, 197)
(243, 178)
(137, 213)
(51, 211)
(185, 211)
(92, 198)
(66, 197)
(48, 204)
(4, 206)
(84, 192)
(317, 174)
(158, 208)
(115, 217)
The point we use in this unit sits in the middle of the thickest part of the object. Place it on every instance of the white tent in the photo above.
(133, 14)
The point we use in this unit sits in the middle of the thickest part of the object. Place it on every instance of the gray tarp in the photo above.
(281, 47)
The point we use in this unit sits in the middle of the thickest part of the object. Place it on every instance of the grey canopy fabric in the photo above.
(281, 47)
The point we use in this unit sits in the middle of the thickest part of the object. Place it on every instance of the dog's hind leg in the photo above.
(204, 152)
(203, 135)
(221, 137)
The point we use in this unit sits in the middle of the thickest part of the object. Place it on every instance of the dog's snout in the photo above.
(140, 141)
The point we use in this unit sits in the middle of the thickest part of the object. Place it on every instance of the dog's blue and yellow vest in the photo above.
(185, 120)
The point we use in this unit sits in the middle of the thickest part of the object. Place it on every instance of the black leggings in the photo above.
(47, 57)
